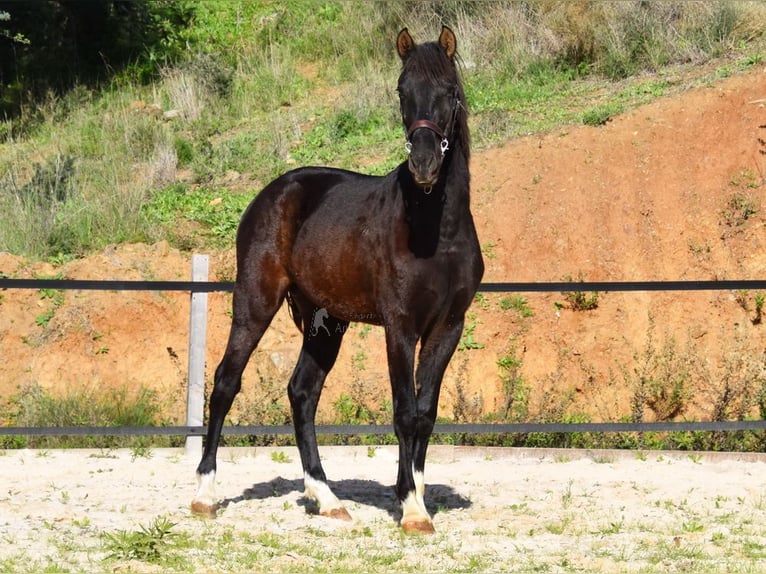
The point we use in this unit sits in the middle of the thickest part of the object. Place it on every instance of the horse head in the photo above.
(430, 98)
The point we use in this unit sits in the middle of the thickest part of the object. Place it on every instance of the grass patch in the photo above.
(212, 216)
(516, 303)
(156, 543)
(600, 115)
(37, 407)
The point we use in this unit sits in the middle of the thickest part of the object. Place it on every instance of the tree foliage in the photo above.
(51, 45)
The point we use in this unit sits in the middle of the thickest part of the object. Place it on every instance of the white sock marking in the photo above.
(413, 509)
(206, 489)
(321, 492)
(420, 485)
(414, 506)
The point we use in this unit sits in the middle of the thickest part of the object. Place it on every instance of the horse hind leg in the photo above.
(317, 357)
(252, 314)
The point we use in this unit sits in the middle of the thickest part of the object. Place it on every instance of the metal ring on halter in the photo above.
(443, 146)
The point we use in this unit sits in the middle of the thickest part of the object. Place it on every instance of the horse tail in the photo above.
(295, 312)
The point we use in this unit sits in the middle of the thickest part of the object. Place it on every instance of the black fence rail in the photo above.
(350, 430)
(500, 287)
(377, 430)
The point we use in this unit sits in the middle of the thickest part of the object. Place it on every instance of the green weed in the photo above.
(280, 457)
(580, 300)
(56, 299)
(214, 213)
(517, 303)
(739, 208)
(600, 115)
(692, 526)
(154, 543)
(760, 299)
(515, 389)
(614, 527)
(468, 339)
(661, 381)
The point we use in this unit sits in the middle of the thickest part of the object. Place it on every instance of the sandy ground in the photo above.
(495, 510)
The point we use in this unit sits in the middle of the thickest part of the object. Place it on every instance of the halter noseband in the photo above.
(417, 124)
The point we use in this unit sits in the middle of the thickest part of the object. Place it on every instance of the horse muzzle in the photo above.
(424, 169)
(425, 159)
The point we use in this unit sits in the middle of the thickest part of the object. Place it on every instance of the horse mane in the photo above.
(430, 61)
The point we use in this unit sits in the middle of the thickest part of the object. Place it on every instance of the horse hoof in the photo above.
(204, 509)
(337, 514)
(418, 527)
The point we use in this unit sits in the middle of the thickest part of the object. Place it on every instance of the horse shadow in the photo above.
(438, 497)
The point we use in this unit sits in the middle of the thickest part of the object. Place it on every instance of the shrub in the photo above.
(39, 207)
(662, 379)
(515, 407)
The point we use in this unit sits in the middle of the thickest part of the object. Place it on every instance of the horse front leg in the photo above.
(401, 353)
(435, 354)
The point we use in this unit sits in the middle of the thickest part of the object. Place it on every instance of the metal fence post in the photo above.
(195, 401)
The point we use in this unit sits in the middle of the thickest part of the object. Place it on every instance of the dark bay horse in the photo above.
(398, 250)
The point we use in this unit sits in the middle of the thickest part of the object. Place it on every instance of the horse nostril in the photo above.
(426, 172)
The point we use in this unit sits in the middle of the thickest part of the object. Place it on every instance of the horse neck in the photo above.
(457, 178)
(457, 192)
(436, 218)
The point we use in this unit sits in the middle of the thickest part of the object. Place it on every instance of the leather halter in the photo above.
(429, 125)
(417, 124)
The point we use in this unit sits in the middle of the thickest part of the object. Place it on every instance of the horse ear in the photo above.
(404, 43)
(448, 41)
